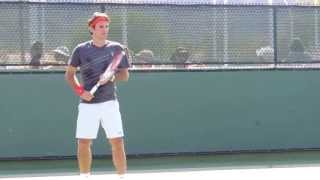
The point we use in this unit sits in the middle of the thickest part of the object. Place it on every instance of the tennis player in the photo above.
(93, 58)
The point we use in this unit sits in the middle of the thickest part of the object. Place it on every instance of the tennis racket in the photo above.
(110, 71)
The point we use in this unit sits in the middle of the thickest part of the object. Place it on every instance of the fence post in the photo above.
(21, 32)
(275, 41)
(102, 8)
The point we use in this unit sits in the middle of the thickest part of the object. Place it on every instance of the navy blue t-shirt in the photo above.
(93, 61)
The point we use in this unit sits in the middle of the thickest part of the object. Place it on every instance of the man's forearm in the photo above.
(73, 82)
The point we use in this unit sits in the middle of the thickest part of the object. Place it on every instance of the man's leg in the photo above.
(84, 155)
(119, 155)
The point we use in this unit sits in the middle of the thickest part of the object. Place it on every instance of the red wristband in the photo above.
(79, 90)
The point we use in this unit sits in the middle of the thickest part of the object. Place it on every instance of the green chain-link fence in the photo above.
(159, 33)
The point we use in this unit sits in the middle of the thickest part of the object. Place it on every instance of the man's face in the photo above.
(101, 30)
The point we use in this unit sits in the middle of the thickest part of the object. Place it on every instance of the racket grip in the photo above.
(94, 88)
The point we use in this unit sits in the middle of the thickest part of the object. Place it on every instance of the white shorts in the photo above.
(91, 115)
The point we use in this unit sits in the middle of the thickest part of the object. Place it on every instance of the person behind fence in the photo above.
(4, 59)
(36, 53)
(297, 52)
(93, 57)
(265, 54)
(146, 57)
(180, 57)
(61, 54)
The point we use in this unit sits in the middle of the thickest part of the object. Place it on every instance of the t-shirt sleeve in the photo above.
(125, 60)
(75, 58)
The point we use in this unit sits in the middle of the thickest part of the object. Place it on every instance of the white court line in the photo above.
(292, 173)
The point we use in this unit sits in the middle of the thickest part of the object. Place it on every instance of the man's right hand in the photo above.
(86, 96)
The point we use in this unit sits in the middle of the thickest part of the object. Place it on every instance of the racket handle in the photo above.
(94, 88)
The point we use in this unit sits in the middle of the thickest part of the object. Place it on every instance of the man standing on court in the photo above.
(93, 58)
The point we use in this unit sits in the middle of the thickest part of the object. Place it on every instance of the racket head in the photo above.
(111, 68)
(116, 60)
